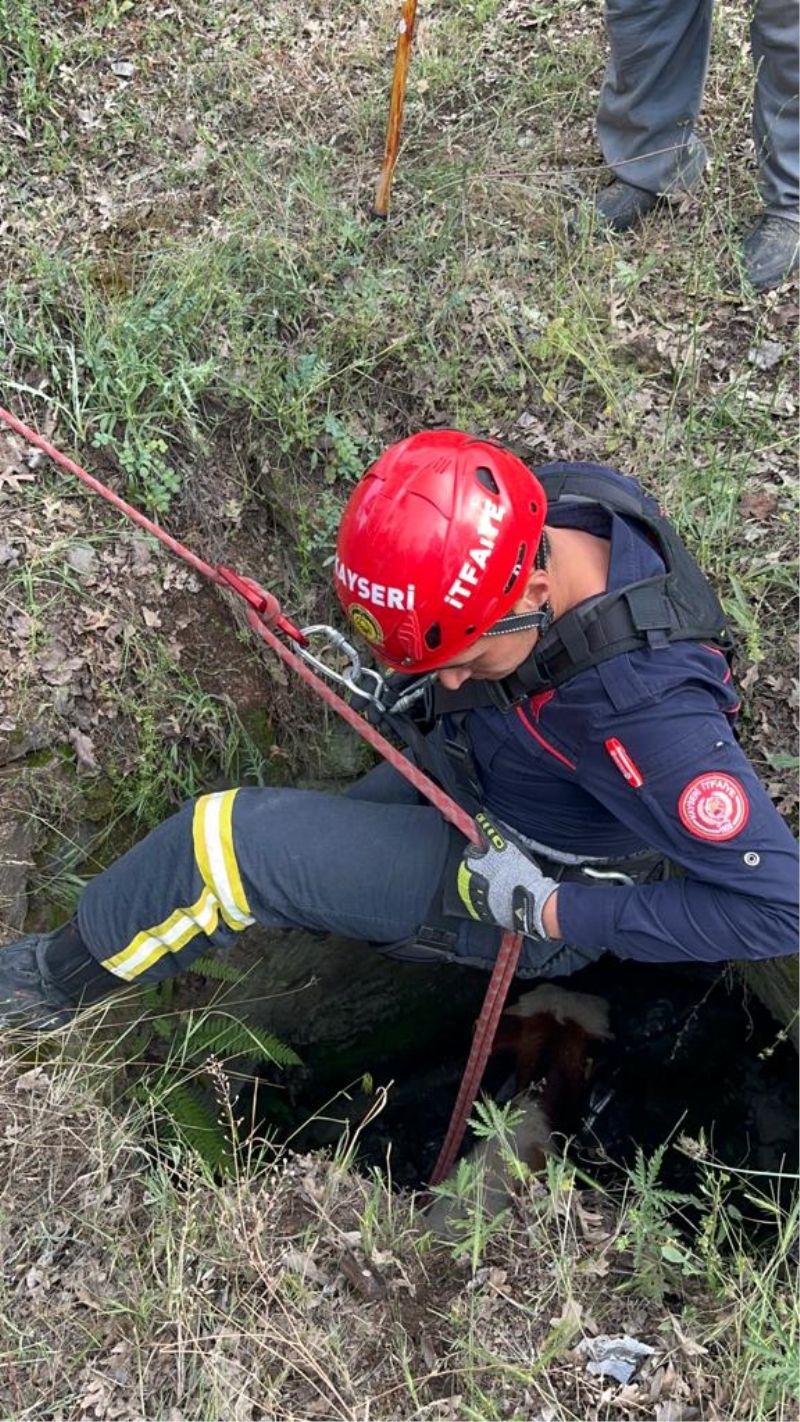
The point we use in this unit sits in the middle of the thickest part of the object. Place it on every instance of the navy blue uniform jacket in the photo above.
(640, 752)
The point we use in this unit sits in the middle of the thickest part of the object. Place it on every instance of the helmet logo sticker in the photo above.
(476, 560)
(377, 593)
(714, 807)
(364, 623)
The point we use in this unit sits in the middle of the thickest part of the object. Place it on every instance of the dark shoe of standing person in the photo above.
(621, 206)
(771, 251)
(46, 977)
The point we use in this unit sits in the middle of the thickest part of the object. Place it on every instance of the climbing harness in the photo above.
(678, 605)
(266, 619)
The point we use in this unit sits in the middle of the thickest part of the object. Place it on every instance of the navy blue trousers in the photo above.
(365, 865)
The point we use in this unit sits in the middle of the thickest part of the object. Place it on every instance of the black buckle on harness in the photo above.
(442, 938)
(457, 749)
(650, 612)
(504, 695)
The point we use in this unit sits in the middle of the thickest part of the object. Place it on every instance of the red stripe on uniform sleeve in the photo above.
(542, 742)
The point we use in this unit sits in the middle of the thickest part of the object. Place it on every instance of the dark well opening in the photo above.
(693, 1051)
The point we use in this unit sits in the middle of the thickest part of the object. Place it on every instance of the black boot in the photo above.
(771, 251)
(46, 977)
(621, 206)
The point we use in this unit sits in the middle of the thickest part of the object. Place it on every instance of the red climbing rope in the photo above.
(264, 614)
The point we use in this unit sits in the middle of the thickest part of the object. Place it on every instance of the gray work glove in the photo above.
(501, 882)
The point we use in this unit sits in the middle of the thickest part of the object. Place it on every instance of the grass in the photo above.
(294, 1285)
(196, 305)
(30, 54)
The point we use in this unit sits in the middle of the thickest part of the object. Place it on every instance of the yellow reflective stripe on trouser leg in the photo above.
(168, 937)
(216, 858)
(223, 894)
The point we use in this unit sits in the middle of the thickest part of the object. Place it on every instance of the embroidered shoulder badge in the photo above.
(714, 807)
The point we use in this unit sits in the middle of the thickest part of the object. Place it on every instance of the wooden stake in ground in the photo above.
(402, 56)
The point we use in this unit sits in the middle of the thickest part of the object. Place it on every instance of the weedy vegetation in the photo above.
(291, 1284)
(196, 306)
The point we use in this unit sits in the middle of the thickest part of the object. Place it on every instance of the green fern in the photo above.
(195, 1124)
(157, 997)
(229, 1036)
(221, 971)
(191, 1039)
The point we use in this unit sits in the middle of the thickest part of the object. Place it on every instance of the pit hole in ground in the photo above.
(693, 1053)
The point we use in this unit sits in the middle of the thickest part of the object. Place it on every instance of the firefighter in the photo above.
(577, 699)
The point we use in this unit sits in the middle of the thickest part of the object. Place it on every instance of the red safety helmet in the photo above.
(435, 546)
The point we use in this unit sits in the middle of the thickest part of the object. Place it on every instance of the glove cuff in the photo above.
(528, 907)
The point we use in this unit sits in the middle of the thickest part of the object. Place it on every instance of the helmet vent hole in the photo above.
(433, 636)
(468, 631)
(515, 571)
(487, 479)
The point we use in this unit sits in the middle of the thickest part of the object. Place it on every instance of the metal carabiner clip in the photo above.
(365, 685)
(615, 876)
(353, 678)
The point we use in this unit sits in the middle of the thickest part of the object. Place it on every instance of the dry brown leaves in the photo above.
(91, 585)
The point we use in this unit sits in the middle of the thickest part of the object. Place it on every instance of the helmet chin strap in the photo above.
(539, 620)
(542, 617)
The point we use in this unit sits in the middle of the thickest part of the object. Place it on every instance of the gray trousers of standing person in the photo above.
(653, 90)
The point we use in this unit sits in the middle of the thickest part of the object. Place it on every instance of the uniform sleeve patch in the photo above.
(714, 807)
